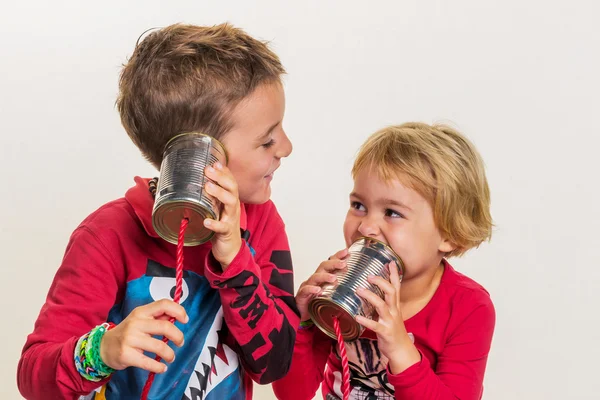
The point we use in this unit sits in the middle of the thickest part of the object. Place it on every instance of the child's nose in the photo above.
(285, 149)
(369, 227)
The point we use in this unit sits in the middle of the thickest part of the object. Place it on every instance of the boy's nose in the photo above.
(285, 148)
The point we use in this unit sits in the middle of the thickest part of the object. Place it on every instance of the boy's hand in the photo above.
(392, 338)
(227, 239)
(124, 345)
(325, 273)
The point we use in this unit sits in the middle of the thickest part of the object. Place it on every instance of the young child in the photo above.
(236, 320)
(422, 190)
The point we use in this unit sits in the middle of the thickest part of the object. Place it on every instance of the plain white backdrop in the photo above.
(521, 79)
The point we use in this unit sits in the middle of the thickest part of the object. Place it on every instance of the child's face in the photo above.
(257, 142)
(398, 216)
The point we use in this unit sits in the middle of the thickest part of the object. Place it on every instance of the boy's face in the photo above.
(257, 142)
(398, 216)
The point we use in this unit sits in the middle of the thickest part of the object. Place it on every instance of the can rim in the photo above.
(171, 236)
(401, 266)
(216, 141)
(320, 323)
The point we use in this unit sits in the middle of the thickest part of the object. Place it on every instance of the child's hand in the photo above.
(392, 338)
(227, 240)
(312, 286)
(123, 346)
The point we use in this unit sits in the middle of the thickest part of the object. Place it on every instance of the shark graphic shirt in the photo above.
(241, 324)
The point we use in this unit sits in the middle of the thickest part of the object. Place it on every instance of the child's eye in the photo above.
(357, 206)
(268, 144)
(393, 214)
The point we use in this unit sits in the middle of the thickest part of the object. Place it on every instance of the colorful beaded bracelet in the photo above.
(88, 362)
(306, 324)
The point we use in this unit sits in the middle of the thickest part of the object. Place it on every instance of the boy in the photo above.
(237, 310)
(422, 190)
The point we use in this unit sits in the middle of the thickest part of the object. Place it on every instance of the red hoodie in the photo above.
(453, 333)
(242, 321)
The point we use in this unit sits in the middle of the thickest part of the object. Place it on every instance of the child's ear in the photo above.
(446, 246)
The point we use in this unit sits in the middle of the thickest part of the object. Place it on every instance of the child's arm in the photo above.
(461, 365)
(257, 295)
(312, 347)
(85, 288)
(258, 302)
(311, 352)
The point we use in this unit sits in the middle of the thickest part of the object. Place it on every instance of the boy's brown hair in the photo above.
(442, 166)
(187, 78)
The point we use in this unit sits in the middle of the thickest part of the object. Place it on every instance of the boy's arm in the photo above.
(83, 291)
(258, 301)
(311, 352)
(460, 367)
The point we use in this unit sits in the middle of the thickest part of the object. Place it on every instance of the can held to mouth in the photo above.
(180, 192)
(366, 256)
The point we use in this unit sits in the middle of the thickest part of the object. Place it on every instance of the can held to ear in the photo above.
(180, 192)
(366, 256)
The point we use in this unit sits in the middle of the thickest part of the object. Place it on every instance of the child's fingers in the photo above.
(368, 323)
(163, 328)
(395, 277)
(161, 307)
(386, 287)
(155, 346)
(340, 255)
(380, 306)
(139, 360)
(320, 278)
(331, 265)
(220, 227)
(223, 177)
(229, 199)
(307, 291)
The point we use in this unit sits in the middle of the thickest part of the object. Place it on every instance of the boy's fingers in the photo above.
(139, 360)
(164, 328)
(164, 306)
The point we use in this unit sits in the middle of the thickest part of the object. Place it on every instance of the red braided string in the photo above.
(176, 298)
(344, 357)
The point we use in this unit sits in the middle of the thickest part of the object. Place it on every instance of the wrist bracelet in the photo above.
(88, 362)
(306, 324)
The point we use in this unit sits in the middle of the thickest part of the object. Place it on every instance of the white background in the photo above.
(520, 78)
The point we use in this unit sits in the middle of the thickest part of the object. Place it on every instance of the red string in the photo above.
(344, 357)
(176, 298)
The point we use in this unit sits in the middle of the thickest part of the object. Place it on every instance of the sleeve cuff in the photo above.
(242, 261)
(410, 376)
(68, 363)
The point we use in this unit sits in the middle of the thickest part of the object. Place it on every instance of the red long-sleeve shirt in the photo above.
(115, 262)
(453, 333)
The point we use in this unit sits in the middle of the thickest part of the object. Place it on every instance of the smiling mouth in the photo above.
(270, 175)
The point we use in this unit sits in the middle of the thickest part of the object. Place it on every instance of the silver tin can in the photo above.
(180, 192)
(366, 257)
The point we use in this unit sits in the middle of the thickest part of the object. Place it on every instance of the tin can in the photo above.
(366, 257)
(180, 192)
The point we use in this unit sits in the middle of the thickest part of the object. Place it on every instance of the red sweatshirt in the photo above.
(453, 333)
(242, 321)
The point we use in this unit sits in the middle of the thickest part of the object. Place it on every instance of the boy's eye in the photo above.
(268, 144)
(357, 206)
(393, 214)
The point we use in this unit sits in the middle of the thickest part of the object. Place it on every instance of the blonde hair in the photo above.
(186, 78)
(444, 167)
